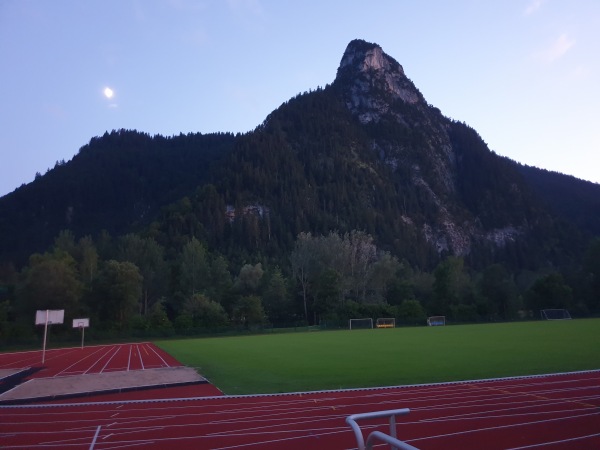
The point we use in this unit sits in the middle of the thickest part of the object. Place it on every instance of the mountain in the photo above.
(366, 152)
(572, 199)
(116, 182)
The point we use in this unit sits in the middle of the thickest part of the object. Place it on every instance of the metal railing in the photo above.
(391, 438)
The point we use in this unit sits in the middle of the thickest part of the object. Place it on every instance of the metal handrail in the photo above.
(394, 443)
(390, 439)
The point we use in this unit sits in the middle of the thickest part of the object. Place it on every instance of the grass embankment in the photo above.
(364, 358)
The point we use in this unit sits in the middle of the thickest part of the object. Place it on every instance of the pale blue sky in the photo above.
(524, 73)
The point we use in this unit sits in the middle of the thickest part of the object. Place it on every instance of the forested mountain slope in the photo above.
(116, 182)
(573, 199)
(364, 153)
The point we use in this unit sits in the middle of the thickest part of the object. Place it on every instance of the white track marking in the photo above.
(500, 427)
(66, 370)
(486, 415)
(306, 434)
(109, 359)
(565, 414)
(95, 437)
(129, 359)
(263, 429)
(157, 354)
(108, 350)
(128, 444)
(496, 400)
(140, 356)
(34, 358)
(544, 444)
(311, 435)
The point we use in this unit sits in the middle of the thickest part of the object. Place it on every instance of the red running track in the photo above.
(87, 360)
(551, 412)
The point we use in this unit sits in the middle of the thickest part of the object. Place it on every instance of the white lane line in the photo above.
(129, 359)
(109, 349)
(512, 405)
(500, 427)
(65, 442)
(543, 444)
(151, 347)
(66, 370)
(109, 360)
(20, 363)
(95, 437)
(140, 356)
(57, 353)
(483, 415)
(308, 434)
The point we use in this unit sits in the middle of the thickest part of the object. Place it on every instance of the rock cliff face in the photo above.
(372, 70)
(377, 91)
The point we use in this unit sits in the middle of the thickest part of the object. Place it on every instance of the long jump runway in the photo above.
(93, 359)
(550, 412)
(104, 369)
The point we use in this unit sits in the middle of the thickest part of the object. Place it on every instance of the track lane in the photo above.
(91, 359)
(561, 411)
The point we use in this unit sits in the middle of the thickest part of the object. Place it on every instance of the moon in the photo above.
(108, 92)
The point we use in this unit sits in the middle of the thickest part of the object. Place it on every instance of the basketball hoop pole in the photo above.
(82, 324)
(48, 317)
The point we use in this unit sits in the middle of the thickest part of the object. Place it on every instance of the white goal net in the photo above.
(436, 321)
(555, 314)
(356, 324)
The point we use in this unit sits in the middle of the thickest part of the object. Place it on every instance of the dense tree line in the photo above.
(117, 182)
(132, 284)
(573, 199)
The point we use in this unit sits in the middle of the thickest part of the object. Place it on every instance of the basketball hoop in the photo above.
(82, 324)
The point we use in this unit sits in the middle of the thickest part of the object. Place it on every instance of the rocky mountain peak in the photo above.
(376, 90)
(375, 80)
(365, 56)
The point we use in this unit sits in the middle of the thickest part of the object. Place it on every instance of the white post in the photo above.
(45, 334)
(42, 317)
(82, 335)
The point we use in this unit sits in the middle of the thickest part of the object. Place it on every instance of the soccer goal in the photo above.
(358, 324)
(386, 322)
(555, 314)
(436, 321)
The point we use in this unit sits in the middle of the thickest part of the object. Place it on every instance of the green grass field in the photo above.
(319, 360)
